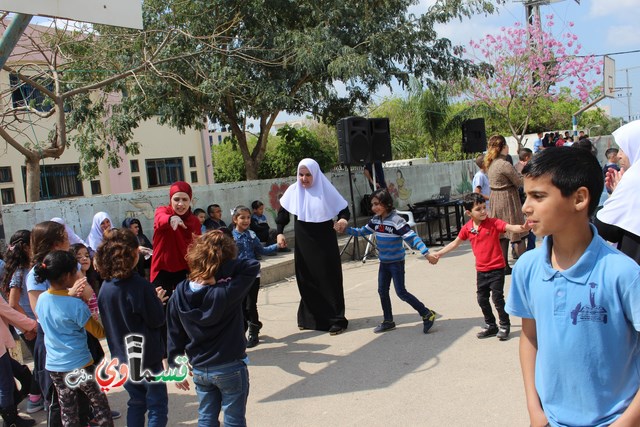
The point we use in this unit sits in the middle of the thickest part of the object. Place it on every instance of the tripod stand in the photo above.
(355, 253)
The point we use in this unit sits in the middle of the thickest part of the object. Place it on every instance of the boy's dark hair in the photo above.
(55, 265)
(256, 204)
(211, 207)
(116, 255)
(611, 151)
(384, 198)
(17, 256)
(480, 161)
(44, 236)
(198, 211)
(472, 199)
(524, 154)
(569, 169)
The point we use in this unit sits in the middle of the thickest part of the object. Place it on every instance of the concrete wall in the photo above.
(408, 184)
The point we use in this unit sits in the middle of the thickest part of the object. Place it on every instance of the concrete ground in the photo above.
(401, 377)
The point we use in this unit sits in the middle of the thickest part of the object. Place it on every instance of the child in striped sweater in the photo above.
(390, 230)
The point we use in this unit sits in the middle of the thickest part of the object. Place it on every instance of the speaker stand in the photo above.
(355, 252)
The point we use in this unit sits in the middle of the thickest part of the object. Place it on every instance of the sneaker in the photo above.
(385, 326)
(503, 332)
(488, 331)
(33, 407)
(428, 320)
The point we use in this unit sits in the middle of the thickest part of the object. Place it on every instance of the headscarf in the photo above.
(319, 203)
(96, 234)
(73, 237)
(621, 208)
(142, 239)
(176, 187)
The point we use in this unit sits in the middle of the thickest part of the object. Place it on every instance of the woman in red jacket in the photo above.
(173, 229)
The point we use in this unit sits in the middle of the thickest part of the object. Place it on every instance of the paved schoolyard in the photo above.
(402, 377)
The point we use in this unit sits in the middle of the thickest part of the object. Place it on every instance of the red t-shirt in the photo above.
(485, 243)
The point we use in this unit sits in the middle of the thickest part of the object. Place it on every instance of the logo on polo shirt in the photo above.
(591, 312)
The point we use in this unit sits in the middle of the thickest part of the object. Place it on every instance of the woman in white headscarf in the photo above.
(101, 224)
(618, 220)
(315, 203)
(73, 237)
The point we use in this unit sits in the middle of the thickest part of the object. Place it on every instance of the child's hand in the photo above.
(433, 259)
(340, 225)
(175, 222)
(30, 335)
(162, 294)
(282, 241)
(77, 290)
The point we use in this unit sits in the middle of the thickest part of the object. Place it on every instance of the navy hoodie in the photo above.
(131, 306)
(208, 324)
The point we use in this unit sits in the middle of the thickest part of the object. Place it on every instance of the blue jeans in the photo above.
(395, 271)
(223, 387)
(143, 397)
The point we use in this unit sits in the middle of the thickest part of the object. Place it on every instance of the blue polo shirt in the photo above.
(587, 323)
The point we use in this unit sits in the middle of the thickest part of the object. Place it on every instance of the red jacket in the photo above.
(170, 246)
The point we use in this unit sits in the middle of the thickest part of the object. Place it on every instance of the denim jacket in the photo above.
(249, 245)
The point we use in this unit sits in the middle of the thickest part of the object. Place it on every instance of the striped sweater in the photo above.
(390, 231)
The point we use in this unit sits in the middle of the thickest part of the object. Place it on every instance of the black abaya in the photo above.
(319, 275)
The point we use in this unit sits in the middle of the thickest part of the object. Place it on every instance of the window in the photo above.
(135, 167)
(5, 174)
(192, 161)
(135, 183)
(8, 197)
(58, 181)
(164, 171)
(96, 188)
(24, 94)
(194, 177)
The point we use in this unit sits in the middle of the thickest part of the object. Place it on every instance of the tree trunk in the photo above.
(33, 178)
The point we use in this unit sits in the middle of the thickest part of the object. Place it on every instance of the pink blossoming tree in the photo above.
(527, 64)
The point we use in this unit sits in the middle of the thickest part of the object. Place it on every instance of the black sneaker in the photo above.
(488, 331)
(385, 326)
(503, 332)
(428, 320)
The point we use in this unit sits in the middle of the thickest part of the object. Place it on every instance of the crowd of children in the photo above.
(77, 301)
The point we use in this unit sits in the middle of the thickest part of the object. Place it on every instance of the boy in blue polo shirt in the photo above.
(579, 300)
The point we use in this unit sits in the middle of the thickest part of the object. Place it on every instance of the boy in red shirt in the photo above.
(484, 235)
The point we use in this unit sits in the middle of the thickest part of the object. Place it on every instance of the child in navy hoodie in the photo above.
(205, 321)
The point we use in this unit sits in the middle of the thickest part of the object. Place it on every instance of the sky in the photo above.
(602, 27)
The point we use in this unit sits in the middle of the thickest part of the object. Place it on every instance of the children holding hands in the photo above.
(390, 230)
(484, 235)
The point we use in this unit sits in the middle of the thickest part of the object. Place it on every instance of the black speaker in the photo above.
(474, 136)
(354, 141)
(380, 139)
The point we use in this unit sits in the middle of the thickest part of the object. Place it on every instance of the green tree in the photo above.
(305, 48)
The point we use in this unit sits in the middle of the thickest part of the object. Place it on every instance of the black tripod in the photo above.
(355, 253)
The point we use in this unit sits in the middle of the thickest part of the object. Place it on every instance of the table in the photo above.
(422, 212)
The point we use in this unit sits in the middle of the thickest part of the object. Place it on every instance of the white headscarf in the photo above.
(96, 234)
(319, 203)
(621, 209)
(73, 237)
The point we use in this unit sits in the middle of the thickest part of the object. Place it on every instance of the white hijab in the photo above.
(319, 203)
(73, 237)
(621, 209)
(96, 234)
